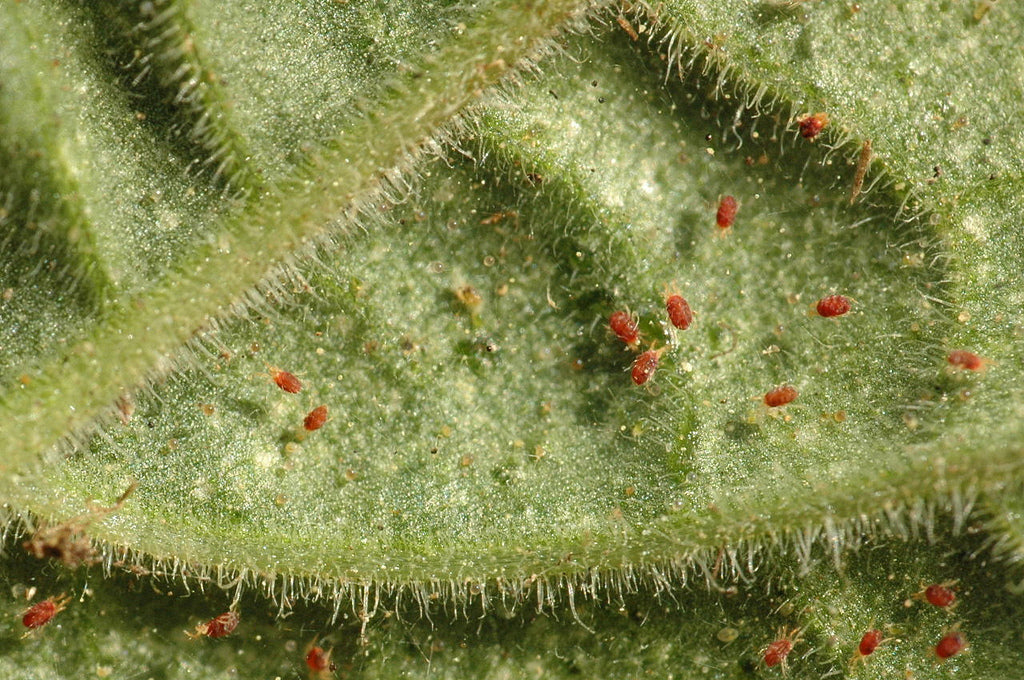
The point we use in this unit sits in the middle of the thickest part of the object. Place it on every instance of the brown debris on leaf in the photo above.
(67, 541)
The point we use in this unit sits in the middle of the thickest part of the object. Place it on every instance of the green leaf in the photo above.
(288, 189)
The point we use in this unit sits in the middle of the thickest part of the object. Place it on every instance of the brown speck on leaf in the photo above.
(67, 541)
(862, 169)
(627, 27)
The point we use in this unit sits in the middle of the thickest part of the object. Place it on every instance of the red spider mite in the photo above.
(727, 209)
(833, 305)
(645, 365)
(776, 652)
(961, 358)
(285, 380)
(41, 613)
(780, 396)
(217, 627)
(950, 645)
(869, 642)
(679, 312)
(319, 661)
(812, 124)
(315, 419)
(625, 327)
(939, 595)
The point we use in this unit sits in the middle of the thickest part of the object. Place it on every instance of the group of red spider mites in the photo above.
(938, 595)
(316, 418)
(41, 613)
(624, 325)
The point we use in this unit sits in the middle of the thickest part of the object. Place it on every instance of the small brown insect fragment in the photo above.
(67, 541)
(862, 170)
(627, 27)
(469, 298)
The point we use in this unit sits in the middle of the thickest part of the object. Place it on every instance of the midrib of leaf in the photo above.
(66, 394)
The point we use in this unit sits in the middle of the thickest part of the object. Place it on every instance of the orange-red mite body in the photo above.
(833, 305)
(961, 358)
(223, 625)
(811, 126)
(777, 652)
(727, 209)
(869, 642)
(287, 382)
(645, 366)
(679, 312)
(318, 660)
(624, 327)
(950, 645)
(940, 596)
(41, 613)
(780, 396)
(315, 419)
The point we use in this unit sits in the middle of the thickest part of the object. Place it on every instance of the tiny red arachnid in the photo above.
(41, 613)
(869, 642)
(319, 661)
(727, 209)
(939, 595)
(645, 365)
(812, 124)
(833, 305)
(679, 312)
(776, 652)
(624, 325)
(285, 380)
(217, 627)
(315, 419)
(780, 396)
(969, 361)
(950, 645)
